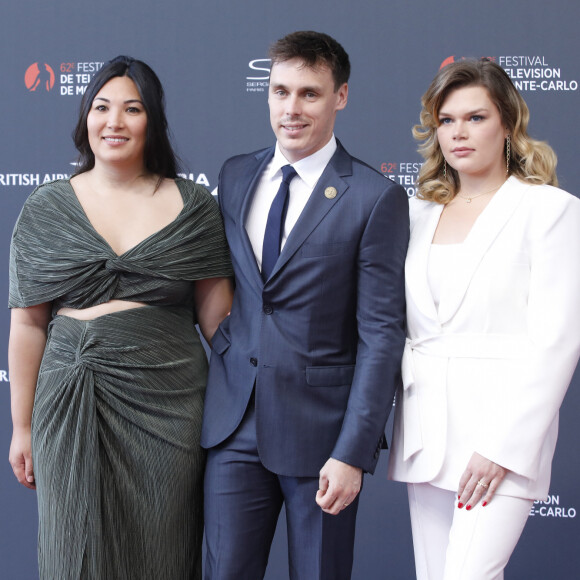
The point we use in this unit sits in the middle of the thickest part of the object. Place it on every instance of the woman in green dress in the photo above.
(109, 273)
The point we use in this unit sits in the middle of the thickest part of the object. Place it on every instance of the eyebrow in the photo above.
(127, 101)
(474, 112)
(305, 89)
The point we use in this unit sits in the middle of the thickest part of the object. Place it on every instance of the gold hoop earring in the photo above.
(507, 155)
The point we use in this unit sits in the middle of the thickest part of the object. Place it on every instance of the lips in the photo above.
(115, 139)
(462, 151)
(293, 128)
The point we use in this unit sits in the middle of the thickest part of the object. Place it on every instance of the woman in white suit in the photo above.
(493, 307)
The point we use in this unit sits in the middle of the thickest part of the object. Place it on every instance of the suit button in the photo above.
(254, 362)
(268, 309)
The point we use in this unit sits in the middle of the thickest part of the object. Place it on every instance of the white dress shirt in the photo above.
(309, 171)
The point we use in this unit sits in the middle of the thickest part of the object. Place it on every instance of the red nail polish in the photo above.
(468, 507)
(484, 504)
(459, 505)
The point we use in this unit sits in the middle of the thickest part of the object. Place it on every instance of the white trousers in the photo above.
(456, 544)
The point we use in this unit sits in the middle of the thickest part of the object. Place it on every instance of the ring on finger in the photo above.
(483, 484)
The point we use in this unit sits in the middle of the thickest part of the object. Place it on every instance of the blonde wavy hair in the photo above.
(530, 160)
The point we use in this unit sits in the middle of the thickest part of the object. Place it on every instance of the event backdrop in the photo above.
(212, 59)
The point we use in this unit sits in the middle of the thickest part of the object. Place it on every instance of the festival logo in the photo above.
(39, 77)
(404, 173)
(73, 79)
(551, 507)
(528, 73)
(451, 59)
(447, 61)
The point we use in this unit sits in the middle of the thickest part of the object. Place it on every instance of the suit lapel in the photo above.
(318, 205)
(483, 233)
(247, 190)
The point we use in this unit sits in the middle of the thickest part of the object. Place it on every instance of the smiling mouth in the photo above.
(115, 139)
(290, 129)
(293, 125)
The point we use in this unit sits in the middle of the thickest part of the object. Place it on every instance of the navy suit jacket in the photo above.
(322, 338)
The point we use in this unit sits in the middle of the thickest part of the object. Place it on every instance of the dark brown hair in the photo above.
(314, 49)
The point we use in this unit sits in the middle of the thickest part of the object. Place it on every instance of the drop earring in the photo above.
(507, 155)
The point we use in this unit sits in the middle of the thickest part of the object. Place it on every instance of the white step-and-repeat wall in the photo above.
(212, 59)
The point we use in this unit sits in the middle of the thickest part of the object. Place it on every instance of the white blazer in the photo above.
(487, 370)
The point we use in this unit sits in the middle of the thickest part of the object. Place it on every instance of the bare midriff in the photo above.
(100, 309)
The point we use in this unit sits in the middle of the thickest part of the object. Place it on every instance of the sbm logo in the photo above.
(253, 64)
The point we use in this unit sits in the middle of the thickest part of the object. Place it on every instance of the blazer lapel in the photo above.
(318, 205)
(424, 227)
(248, 189)
(483, 233)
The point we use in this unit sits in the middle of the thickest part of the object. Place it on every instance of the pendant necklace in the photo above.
(468, 198)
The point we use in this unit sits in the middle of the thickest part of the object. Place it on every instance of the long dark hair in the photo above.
(159, 156)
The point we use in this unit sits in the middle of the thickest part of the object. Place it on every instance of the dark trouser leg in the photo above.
(242, 504)
(320, 546)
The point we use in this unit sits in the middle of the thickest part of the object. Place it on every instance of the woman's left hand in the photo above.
(479, 480)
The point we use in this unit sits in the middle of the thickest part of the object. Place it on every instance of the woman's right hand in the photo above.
(480, 479)
(21, 458)
(28, 331)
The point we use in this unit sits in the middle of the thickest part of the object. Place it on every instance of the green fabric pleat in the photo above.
(115, 439)
(118, 404)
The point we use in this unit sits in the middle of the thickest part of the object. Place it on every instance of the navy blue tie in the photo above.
(275, 223)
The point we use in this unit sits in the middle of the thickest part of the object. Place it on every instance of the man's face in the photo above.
(303, 106)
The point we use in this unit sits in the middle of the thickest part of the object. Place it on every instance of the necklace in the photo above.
(468, 198)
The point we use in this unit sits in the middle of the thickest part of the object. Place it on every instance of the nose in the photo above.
(459, 130)
(292, 105)
(114, 118)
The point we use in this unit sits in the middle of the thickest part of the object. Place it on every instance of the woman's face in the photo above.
(471, 134)
(117, 124)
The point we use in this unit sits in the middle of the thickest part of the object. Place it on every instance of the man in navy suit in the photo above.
(303, 371)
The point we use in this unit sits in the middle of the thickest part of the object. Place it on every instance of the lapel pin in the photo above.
(330, 192)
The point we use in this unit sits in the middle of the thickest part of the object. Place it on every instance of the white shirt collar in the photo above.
(310, 168)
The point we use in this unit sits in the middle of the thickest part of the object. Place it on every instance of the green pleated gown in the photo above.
(118, 405)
